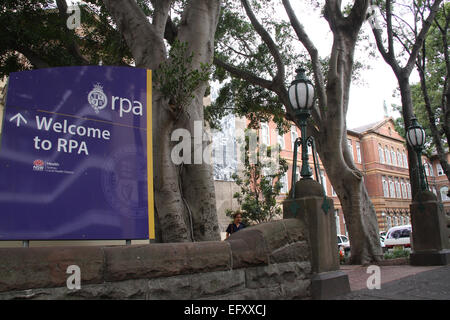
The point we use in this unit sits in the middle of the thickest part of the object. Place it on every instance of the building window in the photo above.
(431, 169)
(408, 187)
(440, 172)
(404, 192)
(265, 134)
(280, 140)
(427, 171)
(405, 160)
(391, 187)
(399, 158)
(435, 192)
(350, 147)
(389, 222)
(394, 158)
(387, 155)
(406, 220)
(397, 188)
(324, 181)
(444, 192)
(284, 183)
(385, 187)
(338, 224)
(333, 193)
(358, 152)
(294, 136)
(381, 153)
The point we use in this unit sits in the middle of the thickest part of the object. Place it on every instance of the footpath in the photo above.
(400, 282)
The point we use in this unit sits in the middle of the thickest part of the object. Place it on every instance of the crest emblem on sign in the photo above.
(97, 98)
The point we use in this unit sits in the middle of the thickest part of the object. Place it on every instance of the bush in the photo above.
(397, 253)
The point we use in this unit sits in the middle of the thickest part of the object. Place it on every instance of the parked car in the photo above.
(383, 246)
(398, 237)
(343, 241)
(383, 234)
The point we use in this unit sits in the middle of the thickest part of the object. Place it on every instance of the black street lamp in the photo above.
(301, 97)
(415, 136)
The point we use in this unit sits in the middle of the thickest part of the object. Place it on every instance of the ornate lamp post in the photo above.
(415, 136)
(301, 97)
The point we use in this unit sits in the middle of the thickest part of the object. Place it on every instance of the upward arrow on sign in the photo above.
(18, 117)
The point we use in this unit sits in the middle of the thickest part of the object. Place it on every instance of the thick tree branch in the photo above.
(161, 15)
(170, 31)
(146, 45)
(245, 75)
(34, 58)
(421, 37)
(265, 36)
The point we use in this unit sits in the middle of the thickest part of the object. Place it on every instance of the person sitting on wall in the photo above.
(236, 225)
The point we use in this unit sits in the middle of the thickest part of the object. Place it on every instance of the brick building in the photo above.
(379, 152)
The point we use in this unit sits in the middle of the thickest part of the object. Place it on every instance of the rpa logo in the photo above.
(38, 165)
(97, 98)
(98, 101)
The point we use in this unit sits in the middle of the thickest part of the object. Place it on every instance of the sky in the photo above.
(377, 84)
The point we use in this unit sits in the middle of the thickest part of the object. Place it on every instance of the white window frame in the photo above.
(381, 153)
(427, 170)
(385, 185)
(405, 160)
(404, 191)
(350, 147)
(408, 188)
(397, 188)
(443, 191)
(280, 140)
(285, 184)
(324, 181)
(393, 157)
(399, 159)
(294, 136)
(358, 152)
(391, 188)
(387, 155)
(338, 224)
(265, 129)
(440, 171)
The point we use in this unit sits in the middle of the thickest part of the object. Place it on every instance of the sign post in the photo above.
(76, 155)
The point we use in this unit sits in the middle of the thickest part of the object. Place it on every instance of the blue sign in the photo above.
(76, 155)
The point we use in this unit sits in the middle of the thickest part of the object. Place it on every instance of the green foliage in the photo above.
(37, 31)
(259, 184)
(176, 79)
(238, 43)
(435, 75)
(397, 253)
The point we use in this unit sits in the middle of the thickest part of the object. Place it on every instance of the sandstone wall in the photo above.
(268, 261)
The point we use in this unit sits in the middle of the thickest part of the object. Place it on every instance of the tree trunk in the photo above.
(347, 181)
(184, 196)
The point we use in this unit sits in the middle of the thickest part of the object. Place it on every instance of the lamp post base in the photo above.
(327, 285)
(430, 258)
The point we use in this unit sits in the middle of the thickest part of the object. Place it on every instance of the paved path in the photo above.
(400, 283)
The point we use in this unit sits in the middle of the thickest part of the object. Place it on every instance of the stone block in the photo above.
(41, 267)
(165, 259)
(248, 248)
(430, 258)
(298, 251)
(296, 230)
(429, 225)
